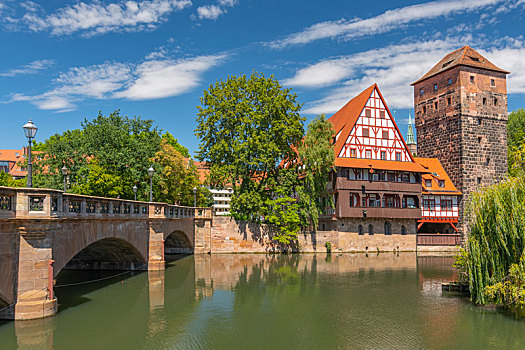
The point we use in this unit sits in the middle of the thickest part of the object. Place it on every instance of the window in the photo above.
(382, 114)
(368, 113)
(487, 162)
(428, 183)
(370, 229)
(492, 82)
(479, 180)
(403, 230)
(449, 101)
(449, 82)
(421, 92)
(435, 105)
(472, 79)
(366, 133)
(398, 156)
(495, 102)
(354, 200)
(429, 204)
(353, 152)
(4, 166)
(424, 109)
(368, 154)
(479, 139)
(360, 230)
(441, 183)
(446, 204)
(484, 101)
(383, 155)
(385, 134)
(479, 121)
(387, 229)
(405, 177)
(435, 87)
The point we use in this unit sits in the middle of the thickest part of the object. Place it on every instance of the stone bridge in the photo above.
(44, 231)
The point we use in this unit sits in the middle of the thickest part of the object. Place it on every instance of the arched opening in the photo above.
(370, 229)
(403, 230)
(360, 230)
(387, 228)
(108, 254)
(177, 243)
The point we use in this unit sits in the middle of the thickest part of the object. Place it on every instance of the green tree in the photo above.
(516, 142)
(247, 126)
(175, 144)
(8, 181)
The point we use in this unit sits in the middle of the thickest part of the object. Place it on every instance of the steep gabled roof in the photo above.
(465, 56)
(377, 164)
(436, 172)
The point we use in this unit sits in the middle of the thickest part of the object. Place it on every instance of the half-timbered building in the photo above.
(376, 183)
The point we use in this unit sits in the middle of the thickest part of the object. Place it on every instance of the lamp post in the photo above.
(195, 197)
(30, 130)
(135, 191)
(64, 173)
(150, 173)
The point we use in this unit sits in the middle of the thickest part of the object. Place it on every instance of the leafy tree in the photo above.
(246, 126)
(516, 142)
(175, 144)
(8, 181)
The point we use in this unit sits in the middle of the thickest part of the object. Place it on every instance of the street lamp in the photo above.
(194, 197)
(30, 130)
(150, 173)
(64, 173)
(135, 191)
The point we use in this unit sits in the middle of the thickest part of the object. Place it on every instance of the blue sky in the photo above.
(63, 61)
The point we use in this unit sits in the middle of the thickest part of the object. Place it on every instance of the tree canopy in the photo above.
(516, 142)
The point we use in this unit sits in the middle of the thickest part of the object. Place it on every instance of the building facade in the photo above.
(11, 160)
(376, 184)
(461, 119)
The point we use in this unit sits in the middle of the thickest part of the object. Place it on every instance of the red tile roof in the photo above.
(435, 172)
(465, 56)
(379, 164)
(13, 156)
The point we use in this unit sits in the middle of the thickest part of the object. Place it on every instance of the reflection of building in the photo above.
(376, 184)
(10, 160)
(461, 119)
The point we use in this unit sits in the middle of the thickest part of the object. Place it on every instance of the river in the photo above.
(348, 301)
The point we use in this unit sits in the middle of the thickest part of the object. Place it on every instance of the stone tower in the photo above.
(411, 141)
(461, 118)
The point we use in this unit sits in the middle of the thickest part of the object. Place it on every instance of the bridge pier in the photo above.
(156, 249)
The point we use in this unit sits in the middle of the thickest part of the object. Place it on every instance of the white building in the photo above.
(221, 201)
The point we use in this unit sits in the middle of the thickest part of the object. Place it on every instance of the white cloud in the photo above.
(29, 68)
(382, 23)
(395, 67)
(149, 80)
(231, 3)
(209, 12)
(96, 18)
(159, 79)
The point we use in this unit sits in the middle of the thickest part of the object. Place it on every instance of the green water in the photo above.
(270, 302)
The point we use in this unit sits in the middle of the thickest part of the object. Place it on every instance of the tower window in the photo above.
(449, 82)
(472, 79)
(435, 105)
(479, 180)
(484, 101)
(382, 114)
(488, 161)
(424, 109)
(492, 82)
(385, 134)
(449, 101)
(479, 121)
(365, 132)
(421, 92)
(479, 139)
(495, 102)
(435, 87)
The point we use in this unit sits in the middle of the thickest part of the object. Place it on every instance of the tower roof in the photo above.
(410, 132)
(465, 56)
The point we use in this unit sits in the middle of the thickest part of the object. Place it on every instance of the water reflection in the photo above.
(272, 301)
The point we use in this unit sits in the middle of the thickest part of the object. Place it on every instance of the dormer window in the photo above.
(428, 183)
(449, 82)
(441, 183)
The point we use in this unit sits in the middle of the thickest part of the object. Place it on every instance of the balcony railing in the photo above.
(383, 186)
(378, 212)
(430, 239)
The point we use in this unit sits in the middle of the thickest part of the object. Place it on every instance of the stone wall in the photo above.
(230, 236)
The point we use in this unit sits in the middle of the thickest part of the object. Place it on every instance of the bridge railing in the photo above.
(48, 203)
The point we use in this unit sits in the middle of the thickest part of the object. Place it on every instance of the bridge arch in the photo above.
(106, 254)
(177, 242)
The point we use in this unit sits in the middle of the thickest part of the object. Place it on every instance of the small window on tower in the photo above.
(365, 132)
(479, 121)
(383, 155)
(385, 134)
(382, 114)
(484, 101)
(449, 82)
(398, 156)
(479, 180)
(492, 82)
(479, 139)
(495, 102)
(488, 161)
(353, 152)
(441, 183)
(435, 105)
(424, 109)
(449, 101)
(368, 154)
(472, 79)
(368, 113)
(435, 87)
(421, 92)
(428, 183)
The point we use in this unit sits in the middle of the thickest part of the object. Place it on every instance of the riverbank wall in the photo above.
(231, 236)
